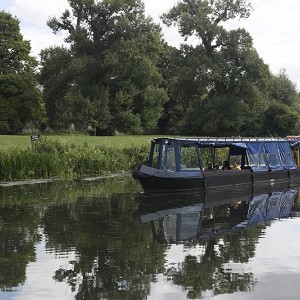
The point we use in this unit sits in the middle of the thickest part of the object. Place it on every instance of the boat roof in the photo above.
(220, 142)
(228, 139)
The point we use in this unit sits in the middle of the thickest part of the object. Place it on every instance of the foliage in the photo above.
(55, 78)
(223, 84)
(20, 99)
(14, 51)
(117, 75)
(178, 70)
(204, 19)
(281, 120)
(284, 90)
(52, 159)
(111, 81)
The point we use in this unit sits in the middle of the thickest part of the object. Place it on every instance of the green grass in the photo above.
(24, 141)
(70, 156)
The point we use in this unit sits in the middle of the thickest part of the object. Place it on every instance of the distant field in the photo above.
(23, 141)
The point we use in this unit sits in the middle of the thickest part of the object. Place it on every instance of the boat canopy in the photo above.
(264, 154)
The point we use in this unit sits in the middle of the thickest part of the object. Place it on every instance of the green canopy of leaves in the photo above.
(20, 98)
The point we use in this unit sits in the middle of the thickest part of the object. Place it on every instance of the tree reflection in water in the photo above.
(17, 243)
(122, 240)
(114, 253)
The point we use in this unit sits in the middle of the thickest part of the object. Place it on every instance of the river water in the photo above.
(106, 239)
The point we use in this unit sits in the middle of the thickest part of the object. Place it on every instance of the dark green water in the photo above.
(105, 239)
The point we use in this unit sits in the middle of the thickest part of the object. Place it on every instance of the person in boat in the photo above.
(236, 166)
(226, 166)
(209, 167)
(217, 167)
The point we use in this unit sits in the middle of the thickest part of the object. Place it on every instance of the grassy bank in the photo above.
(24, 141)
(70, 157)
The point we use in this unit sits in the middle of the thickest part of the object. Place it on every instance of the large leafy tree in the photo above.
(178, 67)
(227, 80)
(114, 50)
(20, 99)
(282, 89)
(283, 115)
(56, 78)
(281, 120)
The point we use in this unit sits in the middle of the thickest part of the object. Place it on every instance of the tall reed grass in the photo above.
(58, 159)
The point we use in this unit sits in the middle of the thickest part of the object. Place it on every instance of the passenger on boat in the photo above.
(209, 167)
(217, 167)
(236, 166)
(226, 165)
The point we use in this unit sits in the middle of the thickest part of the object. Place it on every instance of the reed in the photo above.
(64, 159)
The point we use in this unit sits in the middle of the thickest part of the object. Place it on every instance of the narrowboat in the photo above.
(180, 164)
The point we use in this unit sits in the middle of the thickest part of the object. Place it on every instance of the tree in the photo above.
(56, 78)
(284, 90)
(281, 120)
(114, 50)
(178, 69)
(227, 81)
(204, 19)
(20, 99)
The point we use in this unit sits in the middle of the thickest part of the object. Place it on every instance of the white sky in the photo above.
(274, 26)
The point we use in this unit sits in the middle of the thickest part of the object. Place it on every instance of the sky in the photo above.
(274, 26)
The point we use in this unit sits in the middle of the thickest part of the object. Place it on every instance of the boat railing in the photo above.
(230, 139)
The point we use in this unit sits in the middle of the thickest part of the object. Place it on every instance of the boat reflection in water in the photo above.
(215, 213)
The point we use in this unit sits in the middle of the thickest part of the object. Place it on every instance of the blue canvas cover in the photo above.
(265, 156)
(287, 157)
(273, 156)
(257, 157)
(262, 156)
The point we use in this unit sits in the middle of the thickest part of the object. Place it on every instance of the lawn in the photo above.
(23, 141)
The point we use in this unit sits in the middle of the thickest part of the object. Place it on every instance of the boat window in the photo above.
(168, 156)
(221, 154)
(155, 157)
(216, 155)
(296, 156)
(237, 158)
(206, 156)
(189, 158)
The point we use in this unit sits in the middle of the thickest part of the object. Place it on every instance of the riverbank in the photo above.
(52, 158)
(122, 141)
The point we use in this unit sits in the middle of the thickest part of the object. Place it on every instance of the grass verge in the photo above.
(62, 158)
